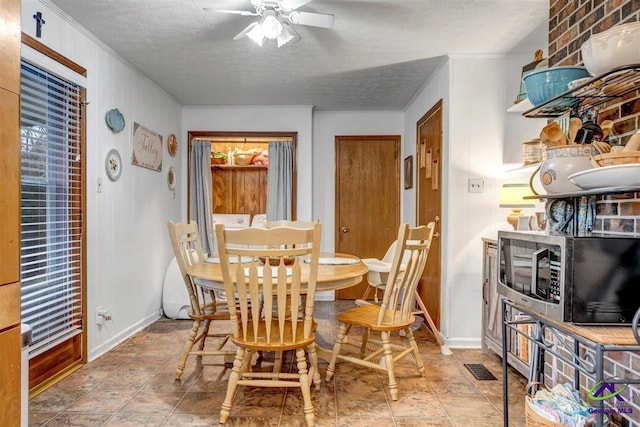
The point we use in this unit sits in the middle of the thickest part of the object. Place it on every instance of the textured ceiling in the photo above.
(376, 57)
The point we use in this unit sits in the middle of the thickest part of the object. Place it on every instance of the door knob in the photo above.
(437, 219)
(436, 235)
(344, 229)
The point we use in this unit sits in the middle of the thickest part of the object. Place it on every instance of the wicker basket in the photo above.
(617, 158)
(243, 159)
(532, 418)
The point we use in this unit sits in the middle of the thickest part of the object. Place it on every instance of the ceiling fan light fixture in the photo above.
(256, 34)
(271, 25)
(287, 35)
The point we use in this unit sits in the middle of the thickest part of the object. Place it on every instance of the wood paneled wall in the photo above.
(239, 189)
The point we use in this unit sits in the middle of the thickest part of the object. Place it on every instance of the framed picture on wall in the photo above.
(147, 148)
(408, 172)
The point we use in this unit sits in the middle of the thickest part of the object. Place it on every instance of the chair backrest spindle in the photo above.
(256, 278)
(409, 260)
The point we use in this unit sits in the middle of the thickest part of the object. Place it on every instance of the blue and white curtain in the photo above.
(280, 180)
(201, 192)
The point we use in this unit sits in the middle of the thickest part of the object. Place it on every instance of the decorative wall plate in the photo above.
(172, 145)
(113, 164)
(115, 120)
(171, 178)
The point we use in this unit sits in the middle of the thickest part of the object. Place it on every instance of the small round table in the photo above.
(331, 277)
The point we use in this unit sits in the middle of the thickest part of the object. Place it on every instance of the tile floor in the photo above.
(133, 385)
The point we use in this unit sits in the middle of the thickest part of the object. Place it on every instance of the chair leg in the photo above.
(205, 332)
(313, 361)
(342, 333)
(187, 348)
(444, 349)
(366, 293)
(416, 352)
(305, 386)
(388, 360)
(277, 362)
(365, 342)
(236, 373)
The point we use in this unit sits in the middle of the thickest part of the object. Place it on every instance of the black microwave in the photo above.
(591, 279)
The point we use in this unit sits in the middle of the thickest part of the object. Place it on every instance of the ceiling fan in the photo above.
(275, 17)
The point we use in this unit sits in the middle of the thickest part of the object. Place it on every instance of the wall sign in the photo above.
(147, 148)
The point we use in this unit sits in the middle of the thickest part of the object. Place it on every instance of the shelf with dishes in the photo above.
(618, 178)
(215, 166)
(592, 192)
(590, 94)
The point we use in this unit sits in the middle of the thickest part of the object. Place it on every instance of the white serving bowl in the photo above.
(562, 161)
(615, 47)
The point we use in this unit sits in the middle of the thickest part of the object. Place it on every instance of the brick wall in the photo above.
(618, 213)
(571, 23)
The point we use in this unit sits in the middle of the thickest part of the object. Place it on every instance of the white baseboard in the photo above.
(463, 342)
(122, 336)
(325, 296)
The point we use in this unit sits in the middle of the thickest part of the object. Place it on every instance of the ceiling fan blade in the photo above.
(233, 12)
(323, 20)
(244, 32)
(293, 4)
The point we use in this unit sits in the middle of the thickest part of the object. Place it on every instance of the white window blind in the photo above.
(51, 207)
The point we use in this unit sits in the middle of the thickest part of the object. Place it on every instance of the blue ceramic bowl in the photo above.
(543, 85)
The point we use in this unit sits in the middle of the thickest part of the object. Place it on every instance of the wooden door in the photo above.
(429, 202)
(367, 198)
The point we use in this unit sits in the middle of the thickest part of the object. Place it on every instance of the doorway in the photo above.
(236, 188)
(367, 198)
(52, 221)
(429, 202)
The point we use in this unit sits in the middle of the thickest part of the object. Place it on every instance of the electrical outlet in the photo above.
(99, 316)
(102, 316)
(476, 185)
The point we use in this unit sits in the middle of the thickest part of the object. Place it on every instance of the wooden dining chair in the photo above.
(282, 270)
(394, 314)
(187, 249)
(289, 223)
(377, 279)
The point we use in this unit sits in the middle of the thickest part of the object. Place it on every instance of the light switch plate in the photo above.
(476, 185)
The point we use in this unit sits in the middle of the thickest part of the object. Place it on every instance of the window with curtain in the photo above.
(51, 207)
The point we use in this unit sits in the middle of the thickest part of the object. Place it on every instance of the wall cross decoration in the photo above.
(39, 23)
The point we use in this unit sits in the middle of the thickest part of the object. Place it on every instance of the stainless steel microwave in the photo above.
(586, 280)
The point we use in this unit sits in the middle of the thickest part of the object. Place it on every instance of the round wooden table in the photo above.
(331, 277)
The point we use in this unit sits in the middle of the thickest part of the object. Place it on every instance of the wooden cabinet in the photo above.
(492, 313)
(10, 377)
(10, 189)
(239, 189)
(10, 46)
(10, 333)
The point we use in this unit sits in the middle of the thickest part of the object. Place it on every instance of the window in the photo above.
(51, 207)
